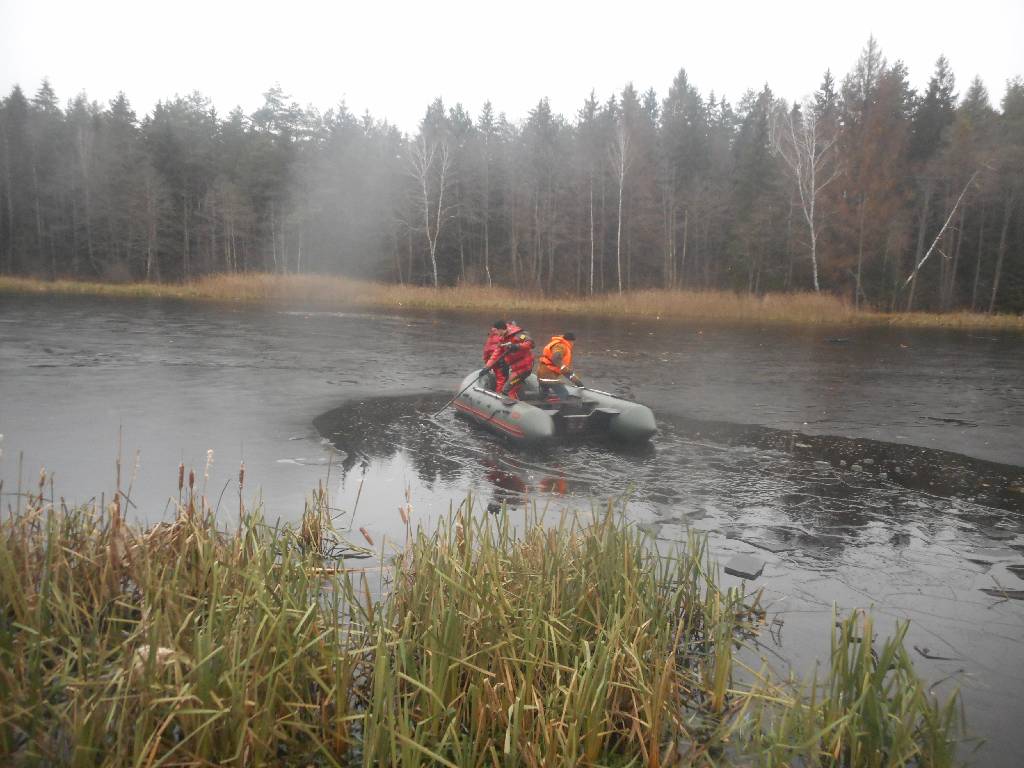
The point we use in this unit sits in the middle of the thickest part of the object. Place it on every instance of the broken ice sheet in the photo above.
(744, 566)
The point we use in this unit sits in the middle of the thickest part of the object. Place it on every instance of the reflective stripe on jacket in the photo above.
(556, 358)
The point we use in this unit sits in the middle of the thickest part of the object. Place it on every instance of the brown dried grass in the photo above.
(491, 641)
(329, 292)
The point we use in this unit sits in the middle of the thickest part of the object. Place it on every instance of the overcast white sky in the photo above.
(392, 58)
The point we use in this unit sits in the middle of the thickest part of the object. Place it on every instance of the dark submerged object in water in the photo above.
(536, 419)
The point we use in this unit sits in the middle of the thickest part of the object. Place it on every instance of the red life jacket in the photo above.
(493, 340)
(519, 356)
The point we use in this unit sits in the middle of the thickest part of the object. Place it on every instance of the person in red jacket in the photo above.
(492, 345)
(516, 352)
(494, 338)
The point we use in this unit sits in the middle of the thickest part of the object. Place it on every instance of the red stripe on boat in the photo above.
(512, 429)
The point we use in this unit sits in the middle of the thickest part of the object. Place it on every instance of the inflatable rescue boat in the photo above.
(535, 418)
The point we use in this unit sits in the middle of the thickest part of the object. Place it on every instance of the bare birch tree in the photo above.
(806, 143)
(620, 156)
(431, 164)
(486, 200)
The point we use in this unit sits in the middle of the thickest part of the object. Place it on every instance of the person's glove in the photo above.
(484, 371)
(576, 380)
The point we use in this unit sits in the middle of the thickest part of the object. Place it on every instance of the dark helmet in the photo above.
(569, 336)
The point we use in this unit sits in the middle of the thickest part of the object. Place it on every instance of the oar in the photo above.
(461, 391)
(599, 391)
(459, 394)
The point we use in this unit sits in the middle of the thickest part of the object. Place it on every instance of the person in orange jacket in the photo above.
(555, 366)
(516, 352)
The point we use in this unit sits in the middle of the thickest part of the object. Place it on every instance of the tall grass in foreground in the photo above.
(327, 292)
(491, 642)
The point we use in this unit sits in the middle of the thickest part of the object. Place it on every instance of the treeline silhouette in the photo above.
(895, 199)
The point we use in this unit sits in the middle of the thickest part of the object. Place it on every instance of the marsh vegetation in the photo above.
(700, 306)
(491, 640)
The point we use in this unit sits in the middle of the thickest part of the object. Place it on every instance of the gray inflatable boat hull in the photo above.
(586, 412)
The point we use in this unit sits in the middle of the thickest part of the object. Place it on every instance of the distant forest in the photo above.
(867, 189)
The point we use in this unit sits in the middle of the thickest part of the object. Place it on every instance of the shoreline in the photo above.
(332, 292)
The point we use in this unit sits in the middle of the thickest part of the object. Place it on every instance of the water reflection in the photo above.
(781, 492)
(443, 453)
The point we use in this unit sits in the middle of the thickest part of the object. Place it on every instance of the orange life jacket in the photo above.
(548, 369)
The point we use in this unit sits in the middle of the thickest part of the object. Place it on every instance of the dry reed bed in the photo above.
(492, 644)
(325, 292)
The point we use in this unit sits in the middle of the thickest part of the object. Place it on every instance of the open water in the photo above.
(879, 469)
